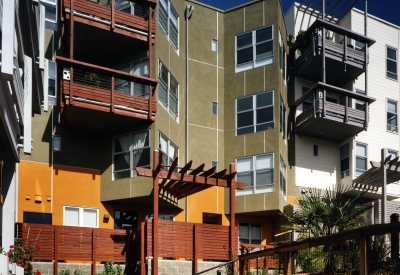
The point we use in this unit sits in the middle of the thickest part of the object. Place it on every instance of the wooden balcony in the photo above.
(344, 62)
(333, 121)
(107, 90)
(133, 20)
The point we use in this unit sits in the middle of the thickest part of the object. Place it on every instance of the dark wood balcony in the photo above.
(330, 120)
(132, 20)
(345, 60)
(91, 87)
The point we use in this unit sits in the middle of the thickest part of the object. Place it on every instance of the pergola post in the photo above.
(384, 182)
(232, 186)
(156, 162)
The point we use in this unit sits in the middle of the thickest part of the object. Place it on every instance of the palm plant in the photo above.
(323, 213)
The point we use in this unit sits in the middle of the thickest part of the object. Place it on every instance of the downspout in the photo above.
(188, 14)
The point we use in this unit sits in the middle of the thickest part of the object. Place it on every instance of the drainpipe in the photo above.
(188, 14)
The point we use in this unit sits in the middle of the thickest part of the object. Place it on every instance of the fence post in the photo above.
(93, 252)
(142, 250)
(394, 236)
(195, 252)
(55, 269)
(363, 255)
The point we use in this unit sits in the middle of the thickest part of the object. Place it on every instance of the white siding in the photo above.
(379, 87)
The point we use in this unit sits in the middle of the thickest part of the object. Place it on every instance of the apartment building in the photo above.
(125, 78)
(20, 97)
(334, 143)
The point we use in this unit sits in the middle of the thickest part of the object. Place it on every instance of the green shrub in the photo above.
(110, 269)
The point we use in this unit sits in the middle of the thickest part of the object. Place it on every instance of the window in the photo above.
(138, 67)
(130, 151)
(125, 219)
(282, 112)
(359, 103)
(79, 216)
(214, 108)
(308, 102)
(359, 45)
(361, 158)
(214, 45)
(50, 14)
(250, 233)
(344, 161)
(393, 153)
(282, 57)
(165, 217)
(282, 179)
(169, 22)
(40, 218)
(214, 164)
(391, 63)
(52, 77)
(315, 150)
(168, 150)
(255, 113)
(254, 48)
(168, 90)
(257, 172)
(392, 116)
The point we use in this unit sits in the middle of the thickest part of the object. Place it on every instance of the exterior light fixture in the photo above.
(56, 146)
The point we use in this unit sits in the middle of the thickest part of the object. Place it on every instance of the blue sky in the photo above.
(388, 10)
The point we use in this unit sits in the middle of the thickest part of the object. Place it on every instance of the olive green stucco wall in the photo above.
(248, 82)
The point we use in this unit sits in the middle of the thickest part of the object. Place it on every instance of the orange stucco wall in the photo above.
(71, 186)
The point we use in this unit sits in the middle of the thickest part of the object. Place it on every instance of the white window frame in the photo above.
(282, 121)
(396, 114)
(255, 189)
(169, 145)
(169, 9)
(282, 57)
(80, 215)
(359, 171)
(270, 124)
(396, 74)
(282, 177)
(131, 151)
(167, 87)
(255, 62)
(214, 44)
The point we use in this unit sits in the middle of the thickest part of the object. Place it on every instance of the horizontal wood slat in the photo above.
(177, 240)
(76, 243)
(99, 13)
(98, 97)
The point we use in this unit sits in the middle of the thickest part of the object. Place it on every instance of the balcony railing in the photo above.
(330, 114)
(99, 88)
(125, 17)
(345, 52)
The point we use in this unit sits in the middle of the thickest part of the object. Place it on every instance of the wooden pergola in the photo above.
(179, 182)
(379, 175)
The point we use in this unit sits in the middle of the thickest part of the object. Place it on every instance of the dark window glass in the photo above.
(125, 219)
(40, 218)
(245, 119)
(245, 39)
(245, 103)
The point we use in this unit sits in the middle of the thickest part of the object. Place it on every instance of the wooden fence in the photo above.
(70, 243)
(177, 240)
(191, 240)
